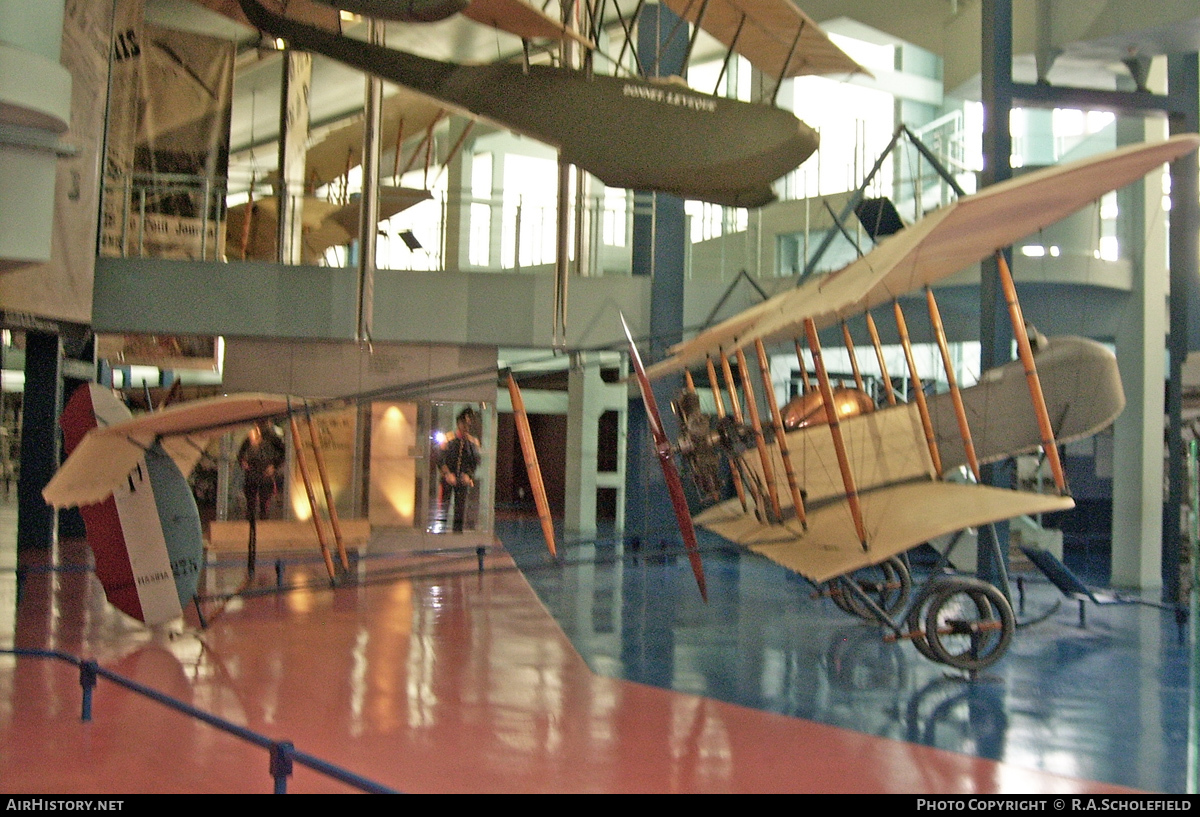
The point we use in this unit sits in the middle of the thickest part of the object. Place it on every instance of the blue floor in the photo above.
(1106, 702)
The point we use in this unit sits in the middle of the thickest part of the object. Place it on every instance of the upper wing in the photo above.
(105, 455)
(774, 35)
(520, 18)
(405, 116)
(952, 238)
(908, 514)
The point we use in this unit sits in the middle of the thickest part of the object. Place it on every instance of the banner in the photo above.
(168, 141)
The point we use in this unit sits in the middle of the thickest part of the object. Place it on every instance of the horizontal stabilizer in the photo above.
(105, 456)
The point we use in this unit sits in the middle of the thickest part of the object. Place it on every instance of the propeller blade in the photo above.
(662, 447)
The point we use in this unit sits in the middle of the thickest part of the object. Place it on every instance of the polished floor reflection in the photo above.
(1104, 701)
(602, 673)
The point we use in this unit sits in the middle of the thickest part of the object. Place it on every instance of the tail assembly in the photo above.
(146, 536)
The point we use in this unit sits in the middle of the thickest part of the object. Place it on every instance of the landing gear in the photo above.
(887, 584)
(969, 624)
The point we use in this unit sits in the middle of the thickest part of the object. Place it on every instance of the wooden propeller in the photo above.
(662, 447)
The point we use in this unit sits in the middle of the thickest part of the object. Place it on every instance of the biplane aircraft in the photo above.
(127, 475)
(629, 132)
(333, 220)
(835, 489)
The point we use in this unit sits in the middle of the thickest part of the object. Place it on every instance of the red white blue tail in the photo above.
(146, 536)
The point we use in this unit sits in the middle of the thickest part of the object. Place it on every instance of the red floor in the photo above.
(451, 681)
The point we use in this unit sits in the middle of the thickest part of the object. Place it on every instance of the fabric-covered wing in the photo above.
(960, 234)
(765, 32)
(522, 19)
(905, 516)
(104, 457)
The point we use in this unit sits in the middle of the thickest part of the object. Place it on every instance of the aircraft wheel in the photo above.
(888, 584)
(968, 624)
(915, 622)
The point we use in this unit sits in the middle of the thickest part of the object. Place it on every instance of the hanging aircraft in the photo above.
(127, 475)
(840, 497)
(629, 132)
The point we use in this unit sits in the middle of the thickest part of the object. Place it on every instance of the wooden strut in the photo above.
(960, 411)
(858, 381)
(312, 497)
(532, 468)
(720, 405)
(734, 404)
(883, 372)
(399, 149)
(835, 430)
(327, 489)
(759, 439)
(918, 392)
(247, 225)
(1049, 445)
(736, 407)
(780, 435)
(804, 381)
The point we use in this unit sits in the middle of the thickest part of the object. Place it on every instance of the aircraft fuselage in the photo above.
(629, 133)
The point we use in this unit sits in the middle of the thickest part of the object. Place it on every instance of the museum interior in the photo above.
(680, 396)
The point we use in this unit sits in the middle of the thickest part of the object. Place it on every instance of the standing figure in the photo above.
(457, 463)
(261, 458)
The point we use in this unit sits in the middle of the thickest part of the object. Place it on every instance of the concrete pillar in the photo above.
(293, 149)
(459, 195)
(995, 329)
(588, 398)
(1141, 356)
(35, 110)
(658, 250)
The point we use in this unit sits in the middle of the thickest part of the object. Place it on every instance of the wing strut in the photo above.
(323, 475)
(1049, 445)
(525, 434)
(759, 440)
(302, 461)
(720, 404)
(662, 447)
(887, 380)
(780, 436)
(858, 381)
(918, 392)
(964, 429)
(835, 429)
(807, 384)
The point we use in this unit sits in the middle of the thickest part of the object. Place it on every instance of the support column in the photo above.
(658, 251)
(35, 109)
(995, 329)
(1183, 87)
(588, 398)
(39, 439)
(460, 195)
(293, 148)
(1141, 343)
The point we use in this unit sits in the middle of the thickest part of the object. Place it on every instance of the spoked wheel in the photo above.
(968, 623)
(915, 622)
(888, 584)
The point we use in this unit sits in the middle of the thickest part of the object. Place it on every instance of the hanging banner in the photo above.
(168, 141)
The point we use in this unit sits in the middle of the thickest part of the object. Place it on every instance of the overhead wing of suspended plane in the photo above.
(854, 490)
(516, 17)
(775, 36)
(405, 121)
